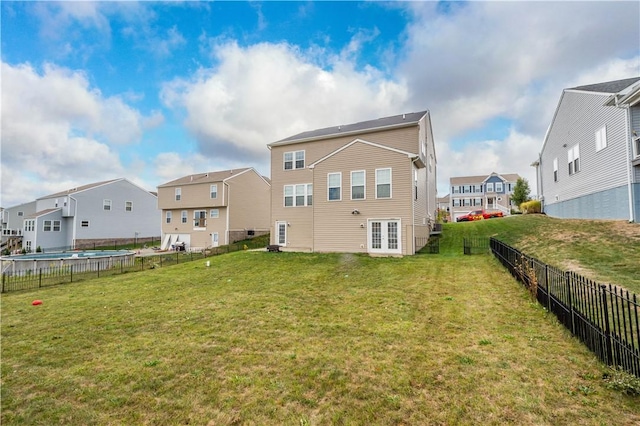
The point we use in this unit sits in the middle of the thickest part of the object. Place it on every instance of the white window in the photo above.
(573, 158)
(294, 160)
(28, 246)
(56, 203)
(467, 202)
(200, 219)
(555, 169)
(298, 195)
(214, 213)
(168, 217)
(415, 184)
(455, 189)
(383, 183)
(477, 188)
(214, 191)
(489, 186)
(46, 226)
(178, 194)
(183, 216)
(601, 138)
(477, 201)
(128, 206)
(334, 184)
(84, 224)
(456, 202)
(358, 185)
(56, 226)
(29, 225)
(288, 195)
(499, 187)
(106, 204)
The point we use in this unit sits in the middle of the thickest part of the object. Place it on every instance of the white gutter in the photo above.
(629, 145)
(228, 210)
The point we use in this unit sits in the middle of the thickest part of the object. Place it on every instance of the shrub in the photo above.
(533, 206)
(38, 249)
(621, 381)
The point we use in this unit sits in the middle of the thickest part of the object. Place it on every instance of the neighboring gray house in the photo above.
(12, 225)
(98, 213)
(589, 166)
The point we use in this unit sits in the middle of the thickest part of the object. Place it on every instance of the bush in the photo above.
(621, 381)
(38, 249)
(533, 206)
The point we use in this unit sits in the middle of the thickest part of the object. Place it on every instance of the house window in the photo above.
(294, 160)
(573, 158)
(84, 224)
(467, 202)
(477, 201)
(415, 184)
(183, 216)
(298, 195)
(601, 138)
(178, 194)
(29, 225)
(128, 206)
(46, 226)
(357, 185)
(20, 214)
(477, 188)
(456, 202)
(499, 187)
(383, 183)
(489, 186)
(168, 217)
(200, 219)
(56, 226)
(106, 204)
(555, 169)
(28, 246)
(56, 205)
(455, 189)
(214, 191)
(334, 181)
(288, 195)
(214, 213)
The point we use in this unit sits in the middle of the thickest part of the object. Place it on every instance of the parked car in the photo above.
(478, 215)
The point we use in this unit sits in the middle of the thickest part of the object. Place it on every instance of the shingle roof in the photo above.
(395, 120)
(41, 212)
(609, 86)
(468, 180)
(78, 189)
(209, 177)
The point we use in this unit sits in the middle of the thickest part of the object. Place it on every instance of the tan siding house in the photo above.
(216, 208)
(489, 192)
(364, 187)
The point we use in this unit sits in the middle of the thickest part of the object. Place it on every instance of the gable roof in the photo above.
(462, 180)
(402, 120)
(42, 213)
(208, 177)
(78, 189)
(399, 151)
(609, 86)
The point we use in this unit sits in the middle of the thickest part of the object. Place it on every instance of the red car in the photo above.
(478, 215)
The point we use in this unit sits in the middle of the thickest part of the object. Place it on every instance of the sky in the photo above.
(153, 91)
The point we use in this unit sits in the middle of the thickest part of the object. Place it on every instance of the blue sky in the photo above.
(153, 91)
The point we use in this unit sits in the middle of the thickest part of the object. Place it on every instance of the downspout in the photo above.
(228, 194)
(413, 204)
(628, 146)
(75, 216)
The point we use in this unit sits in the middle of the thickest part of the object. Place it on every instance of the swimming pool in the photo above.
(66, 254)
(90, 259)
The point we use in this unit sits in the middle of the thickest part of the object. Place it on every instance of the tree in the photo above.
(521, 192)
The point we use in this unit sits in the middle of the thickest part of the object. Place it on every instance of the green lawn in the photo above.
(300, 339)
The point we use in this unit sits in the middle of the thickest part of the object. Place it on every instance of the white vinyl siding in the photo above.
(334, 186)
(383, 183)
(358, 189)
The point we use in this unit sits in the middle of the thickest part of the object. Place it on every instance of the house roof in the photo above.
(410, 119)
(468, 180)
(78, 189)
(41, 213)
(609, 86)
(208, 177)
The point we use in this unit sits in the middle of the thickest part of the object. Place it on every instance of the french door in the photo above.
(384, 236)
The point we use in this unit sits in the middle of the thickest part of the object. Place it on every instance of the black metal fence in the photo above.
(95, 268)
(475, 245)
(430, 245)
(603, 317)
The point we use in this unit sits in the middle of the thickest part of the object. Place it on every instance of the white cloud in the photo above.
(265, 92)
(59, 132)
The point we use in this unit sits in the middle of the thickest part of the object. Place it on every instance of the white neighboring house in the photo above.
(94, 214)
(589, 166)
(12, 223)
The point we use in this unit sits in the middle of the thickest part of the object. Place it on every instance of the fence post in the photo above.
(546, 284)
(569, 301)
(71, 273)
(605, 313)
(39, 277)
(3, 283)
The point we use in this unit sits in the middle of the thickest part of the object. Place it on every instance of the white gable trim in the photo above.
(373, 144)
(245, 171)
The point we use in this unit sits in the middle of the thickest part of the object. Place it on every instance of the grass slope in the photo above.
(305, 339)
(606, 251)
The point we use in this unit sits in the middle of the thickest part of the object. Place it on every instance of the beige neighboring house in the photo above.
(368, 187)
(444, 205)
(216, 208)
(489, 192)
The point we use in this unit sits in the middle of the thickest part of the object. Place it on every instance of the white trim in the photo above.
(384, 247)
(387, 148)
(277, 239)
(329, 187)
(364, 184)
(390, 183)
